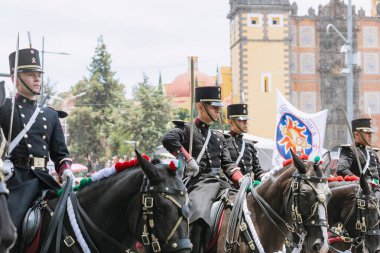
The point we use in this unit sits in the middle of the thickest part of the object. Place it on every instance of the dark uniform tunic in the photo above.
(250, 161)
(348, 164)
(204, 188)
(43, 140)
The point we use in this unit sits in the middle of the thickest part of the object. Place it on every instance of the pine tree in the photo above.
(151, 117)
(92, 123)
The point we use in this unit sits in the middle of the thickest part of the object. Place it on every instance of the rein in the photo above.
(299, 224)
(232, 234)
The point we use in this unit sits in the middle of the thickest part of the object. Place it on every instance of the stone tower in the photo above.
(259, 45)
(333, 85)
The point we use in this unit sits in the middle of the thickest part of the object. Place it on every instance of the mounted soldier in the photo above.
(368, 158)
(35, 135)
(211, 159)
(243, 152)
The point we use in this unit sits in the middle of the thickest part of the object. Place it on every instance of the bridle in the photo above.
(310, 221)
(148, 236)
(298, 224)
(361, 206)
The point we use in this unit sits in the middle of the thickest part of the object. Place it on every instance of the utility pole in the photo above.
(43, 52)
(347, 48)
(350, 100)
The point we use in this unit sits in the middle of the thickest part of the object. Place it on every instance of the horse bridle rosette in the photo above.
(149, 231)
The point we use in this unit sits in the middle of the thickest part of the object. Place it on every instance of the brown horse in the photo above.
(356, 207)
(147, 204)
(293, 198)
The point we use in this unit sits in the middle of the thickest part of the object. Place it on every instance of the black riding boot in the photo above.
(197, 229)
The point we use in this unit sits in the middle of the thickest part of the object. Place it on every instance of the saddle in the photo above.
(32, 220)
(217, 214)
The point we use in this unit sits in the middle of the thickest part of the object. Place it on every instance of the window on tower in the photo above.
(266, 82)
(372, 102)
(275, 20)
(254, 19)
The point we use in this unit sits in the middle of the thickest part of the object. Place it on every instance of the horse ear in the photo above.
(298, 163)
(318, 170)
(364, 185)
(149, 169)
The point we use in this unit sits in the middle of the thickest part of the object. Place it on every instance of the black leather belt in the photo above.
(213, 172)
(37, 162)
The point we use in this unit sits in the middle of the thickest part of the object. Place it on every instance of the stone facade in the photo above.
(314, 62)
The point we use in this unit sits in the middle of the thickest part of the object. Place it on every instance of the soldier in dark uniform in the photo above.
(205, 170)
(369, 160)
(44, 139)
(242, 151)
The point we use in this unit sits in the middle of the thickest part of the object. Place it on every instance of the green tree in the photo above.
(92, 123)
(151, 116)
(49, 86)
(182, 114)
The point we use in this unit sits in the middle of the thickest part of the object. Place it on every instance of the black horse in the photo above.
(7, 230)
(147, 204)
(293, 199)
(8, 233)
(356, 207)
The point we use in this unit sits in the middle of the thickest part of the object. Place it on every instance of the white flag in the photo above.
(302, 132)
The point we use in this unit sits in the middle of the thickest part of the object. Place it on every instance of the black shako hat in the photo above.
(237, 111)
(28, 61)
(209, 94)
(363, 124)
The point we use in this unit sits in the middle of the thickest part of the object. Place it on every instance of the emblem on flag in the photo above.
(301, 132)
(293, 134)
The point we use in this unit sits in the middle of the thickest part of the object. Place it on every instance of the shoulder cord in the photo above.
(241, 153)
(204, 146)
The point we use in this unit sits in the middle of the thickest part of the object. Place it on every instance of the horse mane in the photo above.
(110, 180)
(276, 174)
(342, 183)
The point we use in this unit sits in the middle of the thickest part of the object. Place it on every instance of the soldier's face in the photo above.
(364, 138)
(32, 79)
(239, 126)
(214, 112)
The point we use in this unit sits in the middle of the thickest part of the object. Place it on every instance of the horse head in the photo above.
(308, 205)
(366, 218)
(165, 202)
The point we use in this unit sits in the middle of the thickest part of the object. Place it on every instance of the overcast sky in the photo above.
(142, 35)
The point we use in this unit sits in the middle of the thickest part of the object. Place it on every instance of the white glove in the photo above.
(192, 168)
(68, 173)
(6, 168)
(265, 176)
